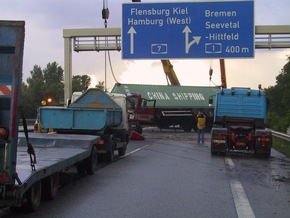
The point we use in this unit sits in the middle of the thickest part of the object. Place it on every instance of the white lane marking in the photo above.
(229, 162)
(243, 207)
(134, 151)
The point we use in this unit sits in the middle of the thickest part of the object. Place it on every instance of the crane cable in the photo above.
(112, 68)
(210, 75)
(105, 16)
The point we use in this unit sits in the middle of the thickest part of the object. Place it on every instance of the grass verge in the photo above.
(282, 146)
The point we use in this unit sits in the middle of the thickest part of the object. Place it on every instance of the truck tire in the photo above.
(33, 197)
(267, 155)
(92, 161)
(122, 151)
(50, 186)
(125, 140)
(213, 152)
(109, 142)
(262, 154)
(139, 128)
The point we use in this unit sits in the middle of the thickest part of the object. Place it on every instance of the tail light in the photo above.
(101, 142)
(4, 177)
(250, 137)
(264, 140)
(3, 133)
(233, 137)
(219, 138)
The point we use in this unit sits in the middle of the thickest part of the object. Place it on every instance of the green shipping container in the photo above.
(171, 96)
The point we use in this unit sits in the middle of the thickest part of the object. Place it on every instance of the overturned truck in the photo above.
(165, 106)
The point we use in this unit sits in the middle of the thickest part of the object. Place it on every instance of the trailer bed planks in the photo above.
(54, 153)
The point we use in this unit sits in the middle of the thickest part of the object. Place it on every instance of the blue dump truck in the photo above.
(94, 112)
(239, 122)
(92, 126)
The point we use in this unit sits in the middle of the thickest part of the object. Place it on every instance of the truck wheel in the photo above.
(50, 186)
(122, 151)
(109, 142)
(263, 155)
(139, 128)
(92, 161)
(33, 197)
(267, 155)
(213, 152)
(223, 153)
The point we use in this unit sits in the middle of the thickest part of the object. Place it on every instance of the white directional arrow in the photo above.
(196, 39)
(132, 32)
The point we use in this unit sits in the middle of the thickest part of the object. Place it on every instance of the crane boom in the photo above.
(223, 73)
(169, 72)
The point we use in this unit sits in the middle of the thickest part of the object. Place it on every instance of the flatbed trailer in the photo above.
(54, 154)
(30, 163)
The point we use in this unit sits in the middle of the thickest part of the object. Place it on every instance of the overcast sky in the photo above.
(46, 19)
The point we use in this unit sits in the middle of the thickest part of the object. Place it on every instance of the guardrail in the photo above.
(281, 135)
(274, 133)
(30, 128)
(30, 125)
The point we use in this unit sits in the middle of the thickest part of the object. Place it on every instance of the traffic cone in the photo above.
(136, 136)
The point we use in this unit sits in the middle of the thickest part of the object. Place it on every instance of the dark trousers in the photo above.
(200, 136)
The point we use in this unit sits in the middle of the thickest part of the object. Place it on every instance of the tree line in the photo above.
(278, 101)
(49, 83)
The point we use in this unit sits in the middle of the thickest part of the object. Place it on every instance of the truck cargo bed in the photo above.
(54, 153)
(93, 110)
(78, 118)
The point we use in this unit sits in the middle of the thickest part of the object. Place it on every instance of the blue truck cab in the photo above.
(239, 122)
(241, 103)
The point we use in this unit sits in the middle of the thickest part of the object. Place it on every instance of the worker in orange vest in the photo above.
(201, 119)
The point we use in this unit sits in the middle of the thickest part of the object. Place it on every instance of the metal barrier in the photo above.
(29, 128)
(30, 125)
(281, 135)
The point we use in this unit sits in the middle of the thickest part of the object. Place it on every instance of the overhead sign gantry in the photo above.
(217, 29)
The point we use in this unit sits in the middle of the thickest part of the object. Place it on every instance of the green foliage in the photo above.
(79, 82)
(282, 146)
(101, 85)
(47, 83)
(43, 84)
(278, 99)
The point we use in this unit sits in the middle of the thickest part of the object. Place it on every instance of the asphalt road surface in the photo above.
(170, 175)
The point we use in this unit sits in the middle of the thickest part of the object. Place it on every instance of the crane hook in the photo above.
(105, 12)
(210, 73)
